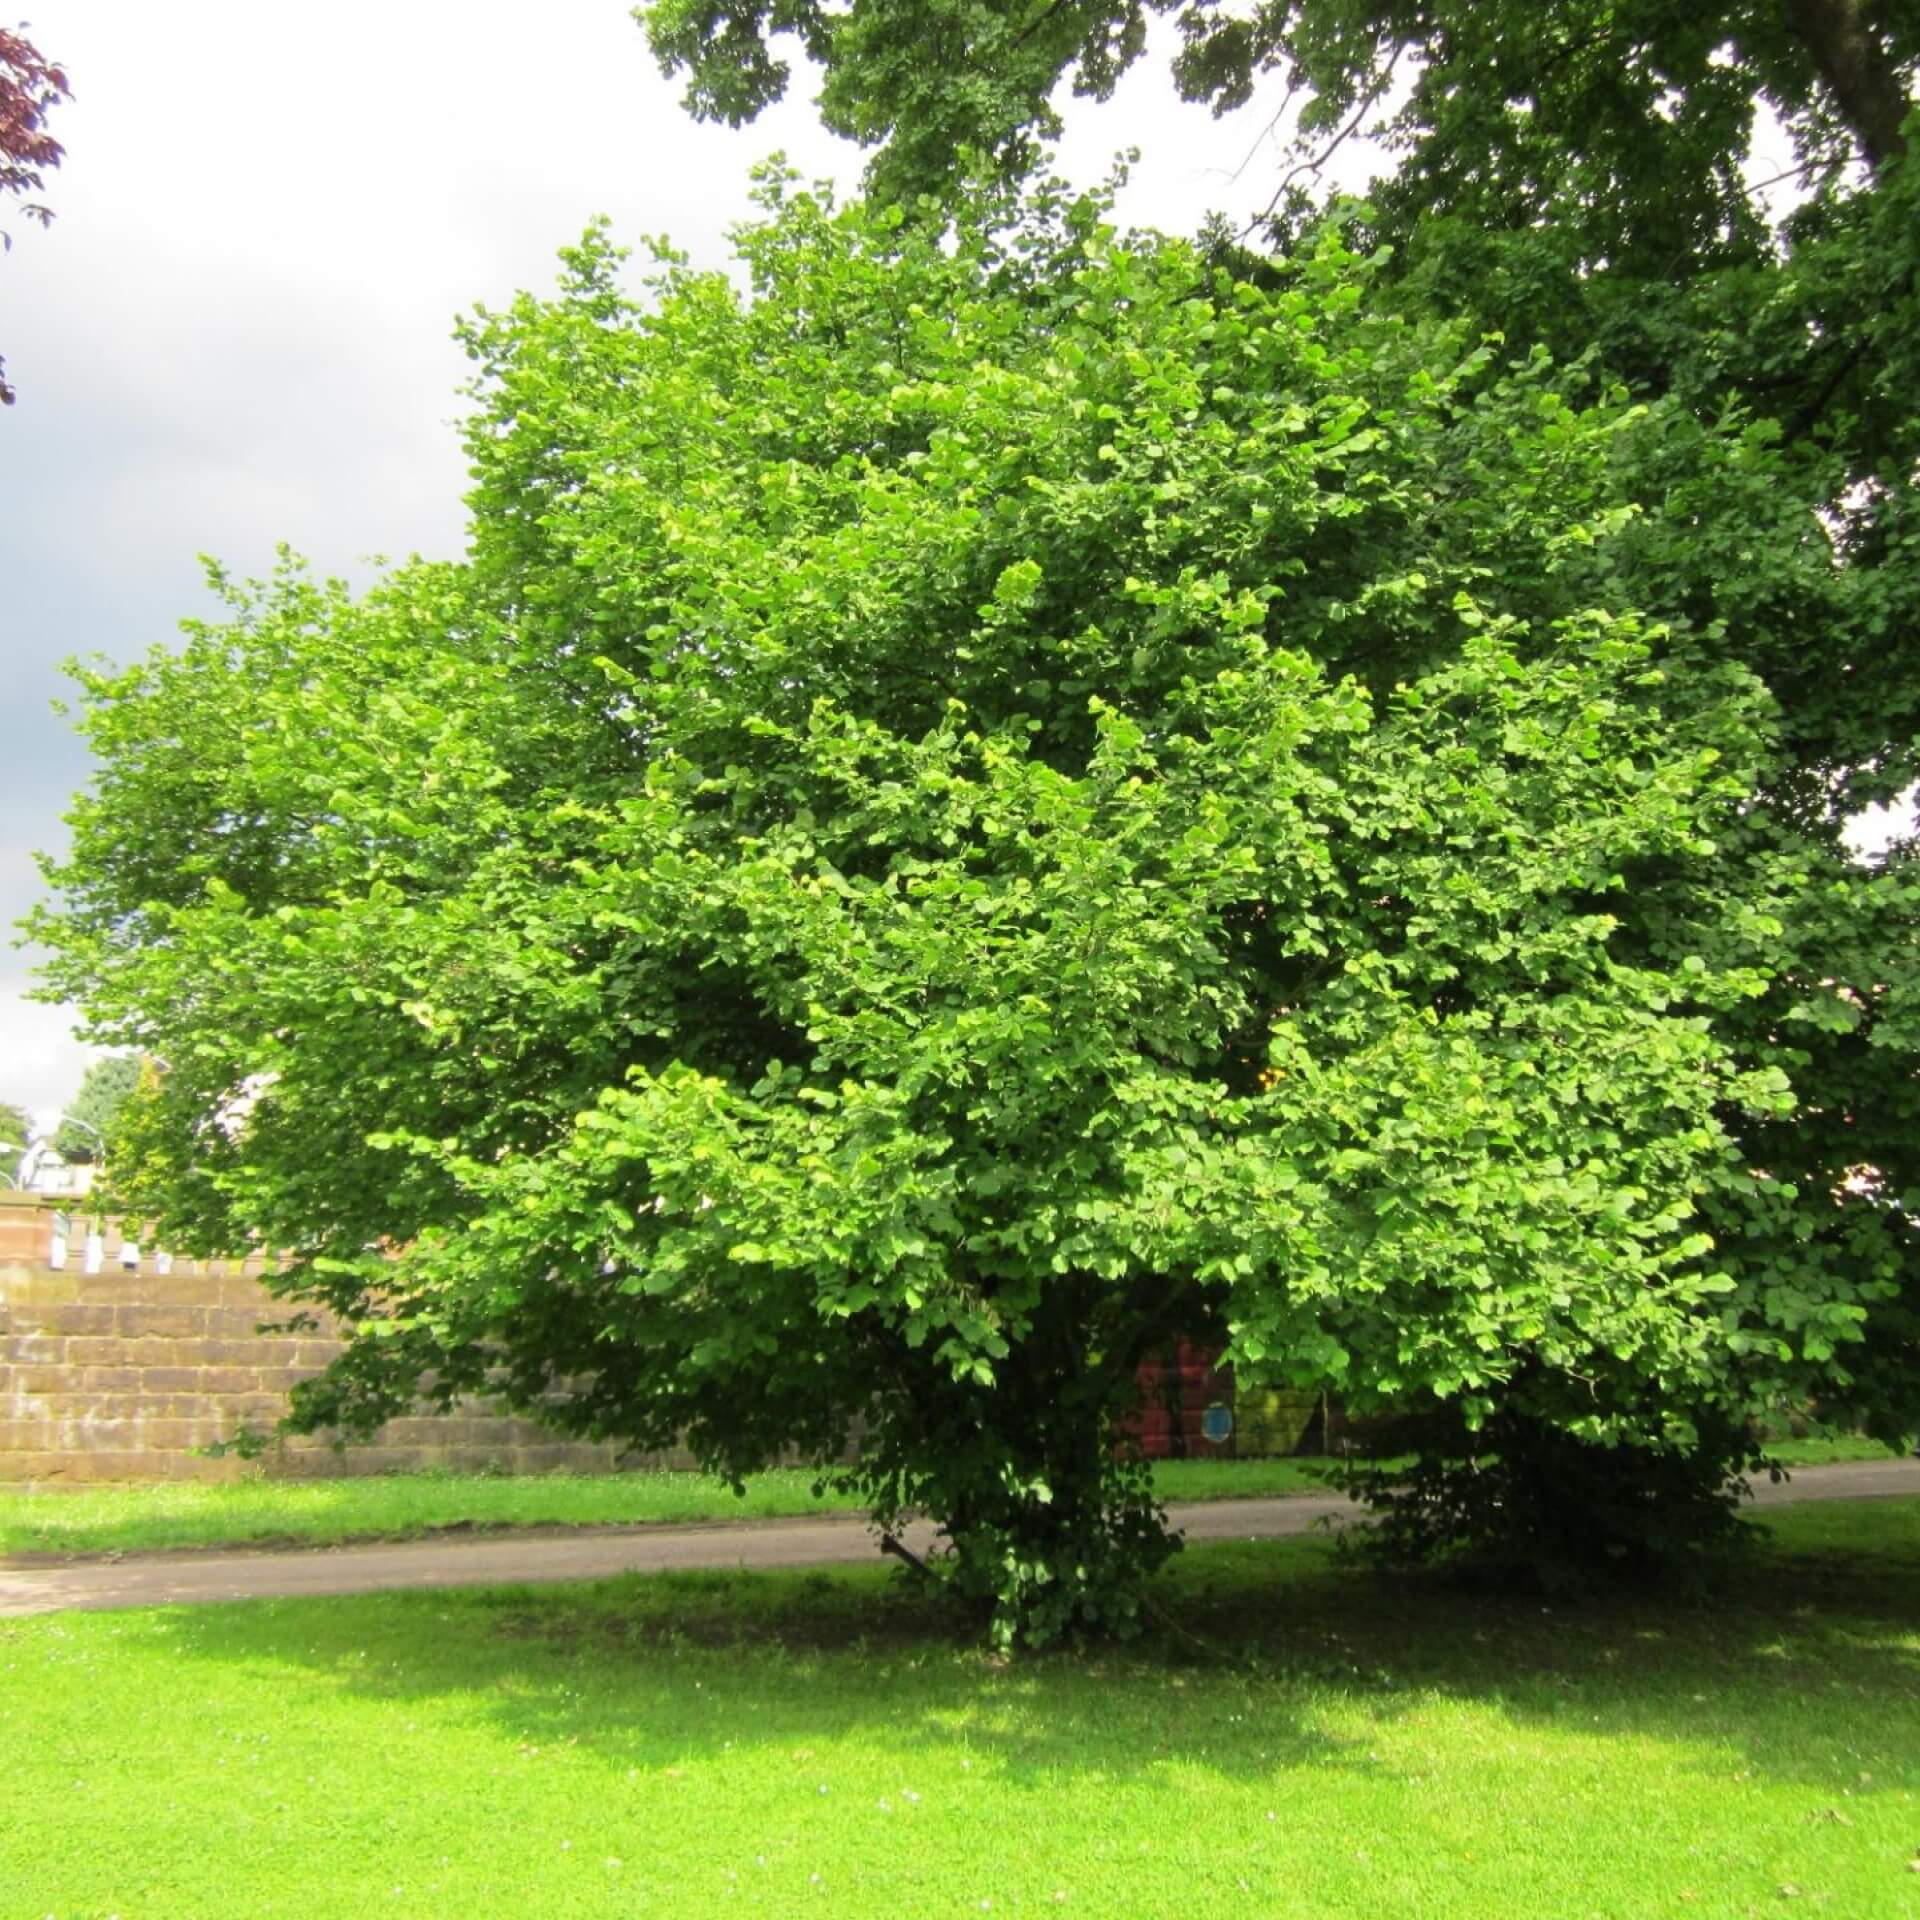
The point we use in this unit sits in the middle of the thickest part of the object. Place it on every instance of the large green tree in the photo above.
(1005, 797)
(1582, 177)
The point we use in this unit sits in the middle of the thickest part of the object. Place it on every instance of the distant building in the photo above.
(41, 1170)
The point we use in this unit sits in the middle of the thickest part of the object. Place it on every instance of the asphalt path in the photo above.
(39, 1585)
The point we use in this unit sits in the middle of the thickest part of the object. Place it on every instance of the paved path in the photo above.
(153, 1580)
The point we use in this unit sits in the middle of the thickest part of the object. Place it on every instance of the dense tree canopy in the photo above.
(1625, 103)
(1629, 115)
(1586, 178)
(1009, 796)
(1574, 176)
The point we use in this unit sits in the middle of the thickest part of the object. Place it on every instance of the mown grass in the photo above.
(157, 1516)
(1829, 1452)
(153, 1516)
(1295, 1738)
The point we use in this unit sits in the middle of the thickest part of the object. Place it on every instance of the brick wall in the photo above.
(121, 1374)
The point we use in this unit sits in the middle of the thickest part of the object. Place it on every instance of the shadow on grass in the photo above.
(1260, 1658)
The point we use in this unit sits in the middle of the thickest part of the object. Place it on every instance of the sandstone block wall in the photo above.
(123, 1373)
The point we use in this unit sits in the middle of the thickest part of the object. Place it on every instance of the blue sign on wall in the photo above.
(1217, 1423)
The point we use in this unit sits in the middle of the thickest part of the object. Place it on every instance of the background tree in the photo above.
(1641, 101)
(1008, 797)
(1573, 176)
(94, 1111)
(16, 1127)
(30, 87)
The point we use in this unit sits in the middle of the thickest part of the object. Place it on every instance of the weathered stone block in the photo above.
(114, 1286)
(23, 1238)
(132, 1464)
(74, 1316)
(112, 1379)
(99, 1350)
(174, 1363)
(407, 1431)
(197, 1466)
(176, 1434)
(256, 1407)
(36, 1469)
(237, 1323)
(219, 1382)
(67, 1400)
(41, 1288)
(162, 1406)
(172, 1322)
(249, 1353)
(455, 1430)
(539, 1459)
(170, 1379)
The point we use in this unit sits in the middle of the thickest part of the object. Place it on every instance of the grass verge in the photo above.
(152, 1517)
(1297, 1737)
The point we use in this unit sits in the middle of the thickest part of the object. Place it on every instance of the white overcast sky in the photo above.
(237, 330)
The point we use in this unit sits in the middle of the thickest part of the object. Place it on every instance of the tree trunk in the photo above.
(1863, 80)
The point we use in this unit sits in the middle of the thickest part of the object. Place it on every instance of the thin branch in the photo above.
(1316, 162)
(1786, 173)
(1828, 165)
(1034, 25)
(1808, 417)
(1260, 139)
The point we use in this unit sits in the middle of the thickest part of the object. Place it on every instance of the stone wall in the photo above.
(122, 1373)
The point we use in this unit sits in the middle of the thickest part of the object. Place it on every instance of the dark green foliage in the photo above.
(93, 1114)
(1525, 1500)
(931, 79)
(1635, 118)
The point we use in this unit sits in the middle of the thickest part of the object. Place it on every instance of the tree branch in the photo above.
(1317, 161)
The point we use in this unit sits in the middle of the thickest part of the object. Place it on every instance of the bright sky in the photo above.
(236, 331)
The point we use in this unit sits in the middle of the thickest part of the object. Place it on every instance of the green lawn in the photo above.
(148, 1517)
(1301, 1739)
(139, 1518)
